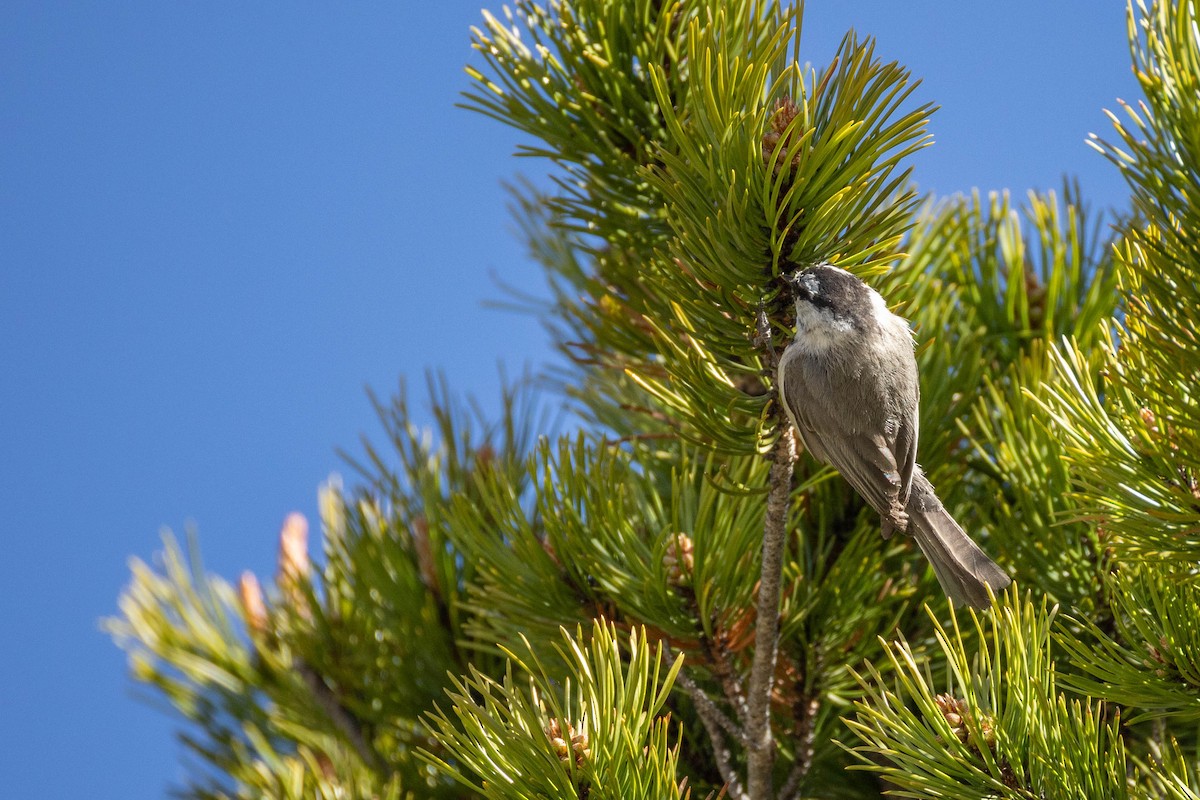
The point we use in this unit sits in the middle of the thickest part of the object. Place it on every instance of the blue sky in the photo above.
(220, 222)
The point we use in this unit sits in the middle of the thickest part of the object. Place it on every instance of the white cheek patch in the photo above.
(817, 329)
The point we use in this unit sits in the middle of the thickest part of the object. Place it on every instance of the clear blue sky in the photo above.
(219, 222)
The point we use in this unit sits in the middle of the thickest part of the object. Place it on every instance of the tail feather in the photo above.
(963, 570)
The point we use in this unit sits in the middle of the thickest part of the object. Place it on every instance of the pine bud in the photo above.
(786, 110)
(293, 561)
(958, 716)
(679, 560)
(1035, 291)
(568, 743)
(254, 607)
(293, 547)
(953, 710)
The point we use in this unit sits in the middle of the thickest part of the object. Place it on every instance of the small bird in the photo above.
(848, 381)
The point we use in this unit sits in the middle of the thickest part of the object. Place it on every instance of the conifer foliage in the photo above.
(668, 600)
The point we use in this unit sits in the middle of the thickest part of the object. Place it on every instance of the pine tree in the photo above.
(658, 596)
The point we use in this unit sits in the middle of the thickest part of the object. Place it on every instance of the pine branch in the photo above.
(761, 749)
(1001, 729)
(1153, 662)
(805, 747)
(716, 725)
(717, 658)
(539, 738)
(713, 716)
(695, 163)
(350, 727)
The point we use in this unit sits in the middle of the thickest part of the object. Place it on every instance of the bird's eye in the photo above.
(819, 300)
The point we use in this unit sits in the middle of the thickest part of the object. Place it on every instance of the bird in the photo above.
(848, 382)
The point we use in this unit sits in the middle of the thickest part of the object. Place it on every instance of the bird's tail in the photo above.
(961, 567)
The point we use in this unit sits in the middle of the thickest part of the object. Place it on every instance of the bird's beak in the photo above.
(793, 280)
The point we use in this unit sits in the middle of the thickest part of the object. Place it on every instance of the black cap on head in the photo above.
(826, 286)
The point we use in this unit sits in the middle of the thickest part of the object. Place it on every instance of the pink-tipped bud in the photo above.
(293, 547)
(254, 606)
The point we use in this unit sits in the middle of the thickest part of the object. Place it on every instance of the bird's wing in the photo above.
(905, 447)
(866, 461)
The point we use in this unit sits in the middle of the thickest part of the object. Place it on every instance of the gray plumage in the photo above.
(848, 381)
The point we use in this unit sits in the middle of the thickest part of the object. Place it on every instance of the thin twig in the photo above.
(717, 655)
(705, 707)
(764, 341)
(761, 746)
(345, 722)
(712, 726)
(806, 744)
(639, 437)
(733, 784)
